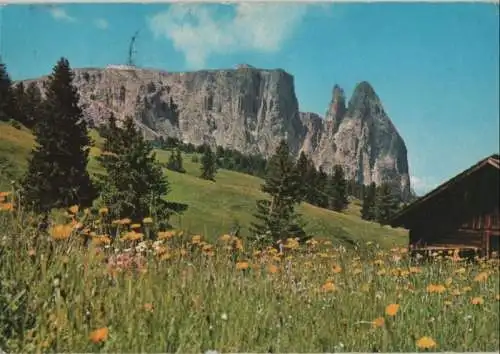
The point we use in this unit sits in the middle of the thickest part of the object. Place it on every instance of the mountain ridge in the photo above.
(250, 110)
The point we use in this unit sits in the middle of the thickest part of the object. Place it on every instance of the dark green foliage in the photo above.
(302, 167)
(276, 217)
(57, 175)
(28, 103)
(355, 189)
(208, 164)
(175, 161)
(7, 100)
(368, 210)
(134, 184)
(321, 197)
(338, 189)
(387, 204)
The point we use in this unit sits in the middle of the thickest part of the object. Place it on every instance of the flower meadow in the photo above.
(87, 283)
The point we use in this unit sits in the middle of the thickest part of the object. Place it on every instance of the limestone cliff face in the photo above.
(245, 109)
(363, 140)
(250, 110)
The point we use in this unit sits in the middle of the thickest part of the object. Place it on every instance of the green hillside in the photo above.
(213, 207)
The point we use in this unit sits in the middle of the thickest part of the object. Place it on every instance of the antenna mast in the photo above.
(131, 50)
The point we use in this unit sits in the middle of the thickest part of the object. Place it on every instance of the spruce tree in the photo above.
(386, 204)
(7, 102)
(19, 96)
(368, 211)
(57, 173)
(178, 160)
(208, 164)
(321, 196)
(338, 189)
(175, 161)
(134, 183)
(32, 105)
(302, 167)
(276, 216)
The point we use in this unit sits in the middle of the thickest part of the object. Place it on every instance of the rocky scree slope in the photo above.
(250, 110)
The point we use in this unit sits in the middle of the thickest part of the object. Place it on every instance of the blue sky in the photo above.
(434, 66)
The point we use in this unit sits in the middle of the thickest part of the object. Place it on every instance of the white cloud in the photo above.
(422, 185)
(196, 32)
(61, 14)
(101, 23)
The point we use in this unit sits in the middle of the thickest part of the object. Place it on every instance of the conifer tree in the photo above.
(368, 207)
(175, 161)
(321, 196)
(178, 159)
(276, 216)
(19, 96)
(57, 173)
(338, 189)
(32, 105)
(386, 204)
(208, 164)
(7, 103)
(134, 183)
(302, 167)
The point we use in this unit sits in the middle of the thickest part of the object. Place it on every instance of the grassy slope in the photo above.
(213, 207)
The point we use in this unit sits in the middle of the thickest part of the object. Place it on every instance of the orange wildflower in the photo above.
(73, 209)
(6, 206)
(328, 287)
(392, 309)
(483, 276)
(99, 335)
(242, 265)
(378, 322)
(148, 307)
(477, 300)
(271, 268)
(337, 269)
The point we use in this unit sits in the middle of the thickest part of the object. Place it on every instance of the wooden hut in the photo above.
(462, 213)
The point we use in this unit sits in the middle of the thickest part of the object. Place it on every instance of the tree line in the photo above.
(134, 185)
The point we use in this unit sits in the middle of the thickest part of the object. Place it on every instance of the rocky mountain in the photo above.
(250, 110)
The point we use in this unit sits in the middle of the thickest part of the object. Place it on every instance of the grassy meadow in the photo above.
(94, 284)
(214, 207)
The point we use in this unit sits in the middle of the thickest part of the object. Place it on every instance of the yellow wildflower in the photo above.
(426, 343)
(61, 231)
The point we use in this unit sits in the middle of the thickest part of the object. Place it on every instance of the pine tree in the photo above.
(338, 189)
(32, 105)
(208, 164)
(302, 167)
(175, 161)
(386, 204)
(134, 183)
(7, 101)
(179, 162)
(19, 96)
(321, 197)
(276, 217)
(368, 208)
(57, 173)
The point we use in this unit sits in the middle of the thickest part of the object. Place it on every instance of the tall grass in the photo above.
(88, 284)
